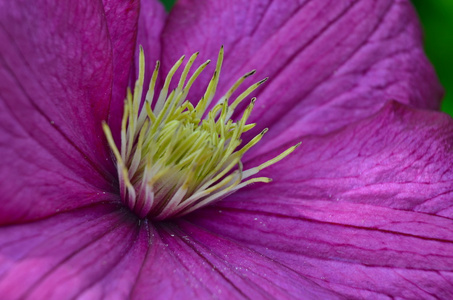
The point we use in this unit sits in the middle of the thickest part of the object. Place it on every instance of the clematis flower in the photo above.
(361, 210)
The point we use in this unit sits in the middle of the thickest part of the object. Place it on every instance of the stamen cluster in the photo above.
(174, 157)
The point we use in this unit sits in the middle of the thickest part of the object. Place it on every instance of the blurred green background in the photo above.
(168, 3)
(437, 20)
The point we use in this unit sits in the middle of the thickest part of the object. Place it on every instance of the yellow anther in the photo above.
(174, 157)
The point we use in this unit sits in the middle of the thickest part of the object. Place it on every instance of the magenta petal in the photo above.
(55, 87)
(188, 262)
(105, 252)
(400, 158)
(329, 62)
(150, 25)
(358, 251)
(122, 17)
(93, 253)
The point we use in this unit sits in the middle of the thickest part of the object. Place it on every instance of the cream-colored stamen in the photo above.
(175, 158)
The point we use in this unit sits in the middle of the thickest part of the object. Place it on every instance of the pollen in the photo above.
(175, 157)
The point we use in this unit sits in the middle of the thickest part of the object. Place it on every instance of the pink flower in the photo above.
(362, 210)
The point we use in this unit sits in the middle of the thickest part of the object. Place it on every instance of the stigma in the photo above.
(175, 157)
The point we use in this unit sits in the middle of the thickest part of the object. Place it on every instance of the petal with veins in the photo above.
(151, 22)
(330, 62)
(72, 254)
(103, 252)
(55, 87)
(122, 18)
(359, 251)
(204, 265)
(400, 158)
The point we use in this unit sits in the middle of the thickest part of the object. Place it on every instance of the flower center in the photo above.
(176, 158)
